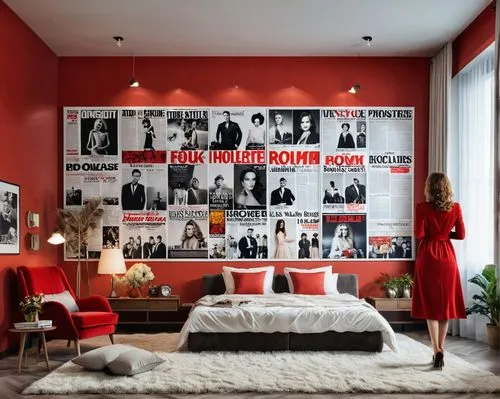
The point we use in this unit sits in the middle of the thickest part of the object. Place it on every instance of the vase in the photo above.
(31, 316)
(390, 293)
(135, 292)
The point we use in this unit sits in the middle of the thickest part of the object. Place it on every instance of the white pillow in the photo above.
(229, 280)
(330, 278)
(64, 298)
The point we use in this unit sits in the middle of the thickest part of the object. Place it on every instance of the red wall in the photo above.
(29, 154)
(474, 39)
(211, 81)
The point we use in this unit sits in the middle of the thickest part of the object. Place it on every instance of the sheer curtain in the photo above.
(470, 167)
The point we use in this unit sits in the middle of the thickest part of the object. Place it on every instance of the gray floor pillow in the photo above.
(99, 358)
(134, 361)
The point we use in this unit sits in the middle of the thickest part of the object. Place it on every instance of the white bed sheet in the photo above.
(285, 313)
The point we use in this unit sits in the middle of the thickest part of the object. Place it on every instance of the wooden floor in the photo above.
(12, 384)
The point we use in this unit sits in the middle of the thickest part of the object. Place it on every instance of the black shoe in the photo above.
(438, 361)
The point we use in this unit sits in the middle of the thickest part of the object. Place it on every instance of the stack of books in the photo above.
(33, 324)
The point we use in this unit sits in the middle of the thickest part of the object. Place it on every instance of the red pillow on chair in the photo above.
(308, 283)
(249, 283)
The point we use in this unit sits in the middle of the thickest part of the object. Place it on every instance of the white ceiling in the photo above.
(247, 27)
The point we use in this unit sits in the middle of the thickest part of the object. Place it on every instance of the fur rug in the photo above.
(408, 371)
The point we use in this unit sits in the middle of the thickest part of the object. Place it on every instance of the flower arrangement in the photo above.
(138, 275)
(32, 304)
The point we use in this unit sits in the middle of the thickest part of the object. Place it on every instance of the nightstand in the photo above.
(145, 311)
(394, 310)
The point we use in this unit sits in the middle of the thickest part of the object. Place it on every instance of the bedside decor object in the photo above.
(154, 291)
(9, 218)
(165, 290)
(111, 262)
(31, 306)
(136, 277)
(77, 224)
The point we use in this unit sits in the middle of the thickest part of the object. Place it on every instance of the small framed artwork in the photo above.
(9, 218)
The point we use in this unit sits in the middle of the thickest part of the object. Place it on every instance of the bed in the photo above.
(282, 321)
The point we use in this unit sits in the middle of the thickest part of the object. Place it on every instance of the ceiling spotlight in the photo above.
(119, 40)
(354, 89)
(368, 40)
(133, 82)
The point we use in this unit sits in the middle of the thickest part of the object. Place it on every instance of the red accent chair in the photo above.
(94, 317)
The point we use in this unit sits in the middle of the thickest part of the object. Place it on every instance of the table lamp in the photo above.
(111, 262)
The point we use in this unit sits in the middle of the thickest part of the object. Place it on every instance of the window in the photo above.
(470, 167)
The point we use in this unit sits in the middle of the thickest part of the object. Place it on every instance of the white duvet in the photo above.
(285, 313)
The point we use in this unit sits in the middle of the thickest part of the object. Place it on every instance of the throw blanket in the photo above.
(285, 313)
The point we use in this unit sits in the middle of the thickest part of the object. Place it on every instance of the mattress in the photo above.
(284, 313)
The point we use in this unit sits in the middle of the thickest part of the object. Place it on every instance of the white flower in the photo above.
(138, 275)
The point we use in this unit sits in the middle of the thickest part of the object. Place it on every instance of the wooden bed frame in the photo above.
(213, 284)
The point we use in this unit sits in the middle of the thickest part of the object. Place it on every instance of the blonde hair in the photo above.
(438, 191)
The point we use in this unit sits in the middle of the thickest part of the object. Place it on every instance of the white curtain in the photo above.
(440, 88)
(470, 167)
(496, 141)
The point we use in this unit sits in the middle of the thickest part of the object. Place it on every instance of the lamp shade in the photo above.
(56, 238)
(111, 262)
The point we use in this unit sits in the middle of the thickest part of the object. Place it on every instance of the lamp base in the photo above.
(113, 293)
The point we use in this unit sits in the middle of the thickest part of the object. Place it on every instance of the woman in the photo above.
(437, 293)
(192, 236)
(315, 246)
(98, 141)
(345, 139)
(278, 133)
(149, 132)
(176, 135)
(361, 137)
(307, 133)
(282, 250)
(342, 243)
(251, 190)
(180, 195)
(257, 134)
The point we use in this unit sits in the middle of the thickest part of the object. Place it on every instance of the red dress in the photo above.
(437, 292)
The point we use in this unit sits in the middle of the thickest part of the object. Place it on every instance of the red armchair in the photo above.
(94, 317)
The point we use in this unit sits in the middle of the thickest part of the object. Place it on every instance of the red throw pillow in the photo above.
(308, 283)
(249, 283)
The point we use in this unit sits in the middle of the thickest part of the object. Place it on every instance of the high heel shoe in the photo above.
(438, 361)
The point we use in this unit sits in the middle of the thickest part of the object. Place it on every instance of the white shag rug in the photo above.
(408, 371)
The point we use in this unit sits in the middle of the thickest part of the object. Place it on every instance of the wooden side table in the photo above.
(394, 310)
(150, 310)
(24, 333)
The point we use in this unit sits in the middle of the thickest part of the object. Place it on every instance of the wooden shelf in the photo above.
(394, 310)
(157, 310)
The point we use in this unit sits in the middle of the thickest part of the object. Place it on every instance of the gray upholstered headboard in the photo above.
(213, 284)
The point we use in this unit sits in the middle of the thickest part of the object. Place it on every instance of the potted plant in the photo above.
(405, 283)
(389, 284)
(487, 302)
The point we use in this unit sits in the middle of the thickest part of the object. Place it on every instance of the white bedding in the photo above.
(285, 313)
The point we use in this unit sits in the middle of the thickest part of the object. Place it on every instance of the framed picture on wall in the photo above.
(9, 218)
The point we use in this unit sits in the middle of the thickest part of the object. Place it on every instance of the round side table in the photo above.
(24, 333)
